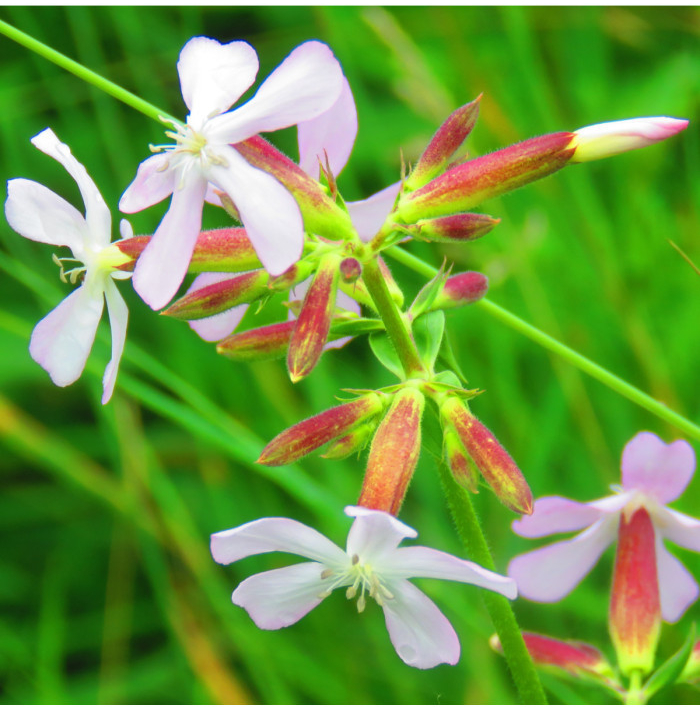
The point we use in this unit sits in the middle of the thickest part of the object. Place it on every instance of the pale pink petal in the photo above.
(213, 76)
(679, 528)
(118, 318)
(163, 264)
(221, 325)
(677, 588)
(344, 302)
(268, 211)
(61, 342)
(552, 572)
(39, 214)
(97, 215)
(307, 83)
(419, 632)
(275, 534)
(278, 598)
(330, 135)
(552, 515)
(368, 215)
(657, 469)
(423, 562)
(152, 184)
(374, 535)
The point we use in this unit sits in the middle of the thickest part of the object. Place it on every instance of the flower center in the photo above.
(359, 578)
(74, 273)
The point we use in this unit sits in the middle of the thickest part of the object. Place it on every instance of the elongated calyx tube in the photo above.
(258, 344)
(461, 289)
(452, 229)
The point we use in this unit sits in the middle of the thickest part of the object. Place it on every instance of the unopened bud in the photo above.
(350, 270)
(453, 229)
(461, 289)
(261, 343)
(462, 467)
(351, 443)
(304, 437)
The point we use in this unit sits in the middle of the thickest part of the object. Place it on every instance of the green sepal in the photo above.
(428, 331)
(384, 351)
(428, 293)
(670, 671)
(449, 378)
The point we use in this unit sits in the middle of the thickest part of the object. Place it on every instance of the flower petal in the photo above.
(419, 632)
(552, 515)
(278, 598)
(331, 134)
(369, 214)
(656, 468)
(118, 318)
(61, 342)
(677, 588)
(152, 184)
(307, 83)
(275, 534)
(268, 211)
(163, 264)
(679, 528)
(552, 572)
(375, 534)
(213, 76)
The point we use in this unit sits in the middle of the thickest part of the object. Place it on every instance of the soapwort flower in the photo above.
(653, 474)
(212, 77)
(372, 565)
(62, 341)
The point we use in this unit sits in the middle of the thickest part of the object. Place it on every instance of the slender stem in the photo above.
(583, 363)
(393, 321)
(469, 529)
(635, 694)
(83, 73)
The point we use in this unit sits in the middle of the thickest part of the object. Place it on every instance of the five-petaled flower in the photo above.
(212, 77)
(372, 565)
(61, 342)
(653, 474)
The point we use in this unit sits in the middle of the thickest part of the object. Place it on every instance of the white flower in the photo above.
(213, 76)
(372, 565)
(62, 341)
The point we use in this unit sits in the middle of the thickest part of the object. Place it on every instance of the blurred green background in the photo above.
(107, 589)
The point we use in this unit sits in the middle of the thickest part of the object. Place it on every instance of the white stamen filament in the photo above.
(360, 579)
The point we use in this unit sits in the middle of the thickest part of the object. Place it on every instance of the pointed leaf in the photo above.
(427, 332)
(669, 672)
(384, 351)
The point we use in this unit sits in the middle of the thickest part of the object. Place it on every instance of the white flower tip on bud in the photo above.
(603, 140)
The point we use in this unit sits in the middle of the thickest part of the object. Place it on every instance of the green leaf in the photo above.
(427, 333)
(427, 294)
(447, 356)
(355, 327)
(449, 378)
(384, 351)
(669, 672)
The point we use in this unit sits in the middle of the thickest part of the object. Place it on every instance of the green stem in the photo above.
(83, 73)
(635, 694)
(583, 363)
(469, 529)
(393, 320)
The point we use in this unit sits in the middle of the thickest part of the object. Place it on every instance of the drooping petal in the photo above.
(656, 468)
(424, 562)
(552, 515)
(39, 214)
(221, 325)
(213, 76)
(269, 213)
(374, 535)
(278, 598)
(679, 528)
(330, 135)
(118, 318)
(61, 342)
(97, 215)
(419, 632)
(307, 83)
(152, 184)
(163, 263)
(677, 588)
(552, 572)
(369, 214)
(275, 534)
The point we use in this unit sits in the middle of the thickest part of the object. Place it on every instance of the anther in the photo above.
(355, 559)
(326, 573)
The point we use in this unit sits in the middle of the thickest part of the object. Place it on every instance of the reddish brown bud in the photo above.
(306, 436)
(269, 342)
(470, 183)
(450, 135)
(462, 467)
(456, 228)
(350, 270)
(461, 289)
(394, 453)
(635, 608)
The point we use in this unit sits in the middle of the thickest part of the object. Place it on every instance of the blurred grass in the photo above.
(108, 592)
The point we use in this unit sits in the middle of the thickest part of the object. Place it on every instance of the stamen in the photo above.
(351, 592)
(355, 559)
(361, 603)
(326, 573)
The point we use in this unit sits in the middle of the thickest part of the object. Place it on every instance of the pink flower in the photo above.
(653, 475)
(213, 76)
(371, 565)
(62, 341)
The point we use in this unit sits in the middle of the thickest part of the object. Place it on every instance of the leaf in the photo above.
(669, 672)
(427, 294)
(384, 351)
(447, 356)
(427, 333)
(354, 327)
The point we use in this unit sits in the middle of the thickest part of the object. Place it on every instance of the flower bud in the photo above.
(314, 321)
(350, 270)
(394, 453)
(268, 342)
(470, 183)
(453, 229)
(489, 456)
(217, 297)
(461, 289)
(304, 437)
(606, 139)
(462, 467)
(450, 135)
(296, 273)
(635, 608)
(352, 442)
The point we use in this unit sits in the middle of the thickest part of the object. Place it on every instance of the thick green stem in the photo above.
(394, 322)
(469, 529)
(583, 363)
(635, 694)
